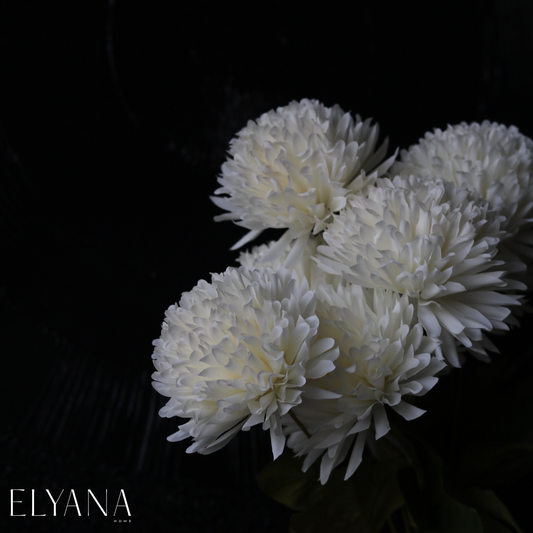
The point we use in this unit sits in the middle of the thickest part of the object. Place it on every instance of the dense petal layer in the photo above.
(305, 268)
(384, 357)
(234, 353)
(490, 158)
(433, 242)
(293, 167)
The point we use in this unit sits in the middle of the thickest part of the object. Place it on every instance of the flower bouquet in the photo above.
(372, 308)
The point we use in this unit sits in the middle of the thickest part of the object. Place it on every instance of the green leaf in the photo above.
(377, 492)
(431, 507)
(421, 483)
(284, 481)
(362, 503)
(327, 518)
(450, 517)
(494, 515)
(429, 467)
(490, 463)
(337, 512)
(420, 505)
(456, 518)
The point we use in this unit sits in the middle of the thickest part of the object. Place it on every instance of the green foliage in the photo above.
(494, 515)
(441, 504)
(377, 490)
(337, 511)
(457, 518)
(431, 506)
(490, 463)
(366, 500)
(284, 481)
(438, 475)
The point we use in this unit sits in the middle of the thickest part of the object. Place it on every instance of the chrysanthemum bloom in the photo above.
(236, 352)
(305, 268)
(292, 168)
(384, 357)
(493, 159)
(433, 242)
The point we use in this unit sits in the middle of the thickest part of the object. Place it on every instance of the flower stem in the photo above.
(406, 520)
(456, 386)
(392, 527)
(300, 425)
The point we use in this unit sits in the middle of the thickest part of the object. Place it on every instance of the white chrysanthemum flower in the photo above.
(493, 159)
(384, 357)
(293, 167)
(305, 268)
(236, 352)
(433, 242)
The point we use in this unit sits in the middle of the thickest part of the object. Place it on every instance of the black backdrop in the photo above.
(114, 120)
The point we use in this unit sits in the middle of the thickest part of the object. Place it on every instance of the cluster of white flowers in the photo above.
(387, 274)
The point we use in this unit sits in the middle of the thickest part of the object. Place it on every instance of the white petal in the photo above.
(357, 455)
(408, 411)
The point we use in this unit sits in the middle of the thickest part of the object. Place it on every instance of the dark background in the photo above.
(114, 120)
